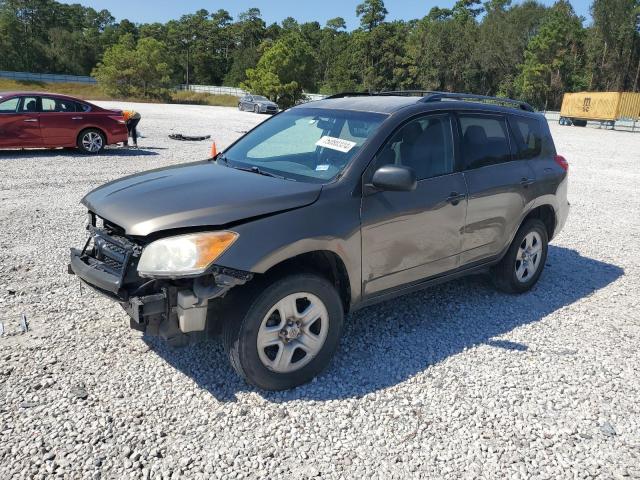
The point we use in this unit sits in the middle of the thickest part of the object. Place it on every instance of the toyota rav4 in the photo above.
(323, 209)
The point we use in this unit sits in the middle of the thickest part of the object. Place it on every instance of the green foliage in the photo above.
(523, 49)
(285, 69)
(130, 69)
(554, 58)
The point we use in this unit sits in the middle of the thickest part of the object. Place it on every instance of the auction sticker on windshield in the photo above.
(336, 144)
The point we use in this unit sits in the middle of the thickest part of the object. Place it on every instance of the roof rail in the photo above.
(438, 96)
(348, 94)
(428, 96)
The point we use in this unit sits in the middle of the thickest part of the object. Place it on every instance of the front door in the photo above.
(409, 236)
(19, 123)
(499, 186)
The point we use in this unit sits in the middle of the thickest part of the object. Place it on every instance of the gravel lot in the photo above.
(454, 382)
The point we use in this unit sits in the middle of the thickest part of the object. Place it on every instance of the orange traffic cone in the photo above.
(214, 150)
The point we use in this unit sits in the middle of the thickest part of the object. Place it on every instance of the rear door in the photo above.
(409, 236)
(60, 122)
(499, 185)
(19, 122)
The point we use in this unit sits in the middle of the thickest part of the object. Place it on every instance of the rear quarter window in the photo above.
(528, 137)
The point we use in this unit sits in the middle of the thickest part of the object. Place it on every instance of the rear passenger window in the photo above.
(57, 105)
(485, 140)
(528, 137)
(425, 145)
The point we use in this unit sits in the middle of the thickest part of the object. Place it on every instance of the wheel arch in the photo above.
(93, 127)
(547, 214)
(325, 263)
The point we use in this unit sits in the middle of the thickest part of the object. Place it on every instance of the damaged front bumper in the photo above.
(168, 308)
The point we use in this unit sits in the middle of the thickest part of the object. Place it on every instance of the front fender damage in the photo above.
(181, 309)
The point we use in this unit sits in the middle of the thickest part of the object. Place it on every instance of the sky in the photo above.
(146, 11)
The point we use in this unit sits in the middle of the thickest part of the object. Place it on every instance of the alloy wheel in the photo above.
(528, 256)
(92, 142)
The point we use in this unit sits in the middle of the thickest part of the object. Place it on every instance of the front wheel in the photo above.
(91, 141)
(288, 334)
(523, 263)
(256, 109)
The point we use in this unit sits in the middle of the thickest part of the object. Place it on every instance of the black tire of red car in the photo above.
(91, 141)
(505, 275)
(242, 328)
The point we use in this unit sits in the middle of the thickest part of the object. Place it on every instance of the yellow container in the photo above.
(605, 106)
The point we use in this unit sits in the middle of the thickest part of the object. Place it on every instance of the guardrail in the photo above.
(237, 92)
(47, 77)
(214, 90)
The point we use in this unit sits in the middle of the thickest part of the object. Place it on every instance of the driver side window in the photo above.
(9, 106)
(424, 144)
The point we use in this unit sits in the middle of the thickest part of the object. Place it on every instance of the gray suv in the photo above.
(323, 209)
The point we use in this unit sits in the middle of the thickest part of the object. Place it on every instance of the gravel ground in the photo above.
(454, 382)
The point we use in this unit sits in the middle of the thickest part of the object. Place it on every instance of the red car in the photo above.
(47, 120)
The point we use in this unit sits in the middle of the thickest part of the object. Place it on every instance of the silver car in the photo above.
(257, 104)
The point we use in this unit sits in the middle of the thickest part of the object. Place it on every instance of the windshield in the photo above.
(308, 144)
(261, 98)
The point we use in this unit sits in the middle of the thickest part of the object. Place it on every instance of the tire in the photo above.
(256, 109)
(272, 354)
(91, 141)
(515, 275)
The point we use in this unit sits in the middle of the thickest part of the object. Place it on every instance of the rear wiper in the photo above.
(257, 170)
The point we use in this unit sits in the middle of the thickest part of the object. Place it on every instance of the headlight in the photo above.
(184, 254)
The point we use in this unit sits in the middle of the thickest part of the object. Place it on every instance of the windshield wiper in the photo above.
(257, 170)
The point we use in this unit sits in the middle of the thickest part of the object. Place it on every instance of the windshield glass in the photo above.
(261, 98)
(308, 144)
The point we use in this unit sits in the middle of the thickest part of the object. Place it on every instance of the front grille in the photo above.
(110, 252)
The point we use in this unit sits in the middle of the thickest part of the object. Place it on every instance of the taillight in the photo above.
(560, 160)
(118, 119)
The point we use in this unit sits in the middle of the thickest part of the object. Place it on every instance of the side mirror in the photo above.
(393, 178)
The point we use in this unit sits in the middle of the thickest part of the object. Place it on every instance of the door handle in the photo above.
(31, 120)
(455, 197)
(76, 118)
(525, 182)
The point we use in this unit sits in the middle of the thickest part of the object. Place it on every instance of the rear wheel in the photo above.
(288, 334)
(523, 263)
(91, 141)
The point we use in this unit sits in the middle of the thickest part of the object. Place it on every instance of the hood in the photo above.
(193, 195)
(266, 103)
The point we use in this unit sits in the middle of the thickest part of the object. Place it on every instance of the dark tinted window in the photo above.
(82, 107)
(424, 144)
(484, 140)
(528, 137)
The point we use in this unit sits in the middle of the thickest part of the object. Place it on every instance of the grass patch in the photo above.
(87, 91)
(200, 98)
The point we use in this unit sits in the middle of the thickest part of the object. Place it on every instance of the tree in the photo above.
(130, 69)
(284, 70)
(372, 13)
(614, 44)
(554, 59)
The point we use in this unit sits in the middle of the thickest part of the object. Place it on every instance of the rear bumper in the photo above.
(561, 217)
(118, 134)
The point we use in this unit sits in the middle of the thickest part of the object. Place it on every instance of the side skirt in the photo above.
(405, 289)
